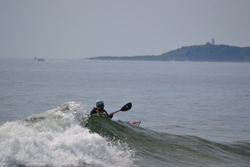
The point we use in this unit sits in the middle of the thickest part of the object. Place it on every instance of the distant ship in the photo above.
(42, 59)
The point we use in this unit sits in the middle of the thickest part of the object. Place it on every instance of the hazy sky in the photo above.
(87, 28)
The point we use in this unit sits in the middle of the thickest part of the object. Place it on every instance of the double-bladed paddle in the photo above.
(126, 107)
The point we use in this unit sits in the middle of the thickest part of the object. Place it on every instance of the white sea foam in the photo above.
(55, 138)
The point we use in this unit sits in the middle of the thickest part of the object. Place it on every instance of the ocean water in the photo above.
(192, 113)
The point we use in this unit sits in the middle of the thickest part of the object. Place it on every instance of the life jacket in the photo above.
(98, 111)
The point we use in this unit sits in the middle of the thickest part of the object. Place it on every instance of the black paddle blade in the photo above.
(126, 107)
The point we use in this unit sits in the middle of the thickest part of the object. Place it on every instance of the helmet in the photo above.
(99, 102)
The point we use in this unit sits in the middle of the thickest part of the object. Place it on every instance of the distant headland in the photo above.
(198, 53)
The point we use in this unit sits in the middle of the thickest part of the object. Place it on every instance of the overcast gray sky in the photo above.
(54, 29)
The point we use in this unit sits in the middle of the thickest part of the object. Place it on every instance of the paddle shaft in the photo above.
(116, 111)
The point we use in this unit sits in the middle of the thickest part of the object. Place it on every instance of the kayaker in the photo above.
(100, 109)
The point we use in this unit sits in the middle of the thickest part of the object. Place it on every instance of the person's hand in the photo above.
(112, 114)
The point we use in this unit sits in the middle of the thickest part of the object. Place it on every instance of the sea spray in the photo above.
(56, 138)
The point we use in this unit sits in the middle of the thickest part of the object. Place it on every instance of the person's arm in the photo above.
(93, 111)
(109, 115)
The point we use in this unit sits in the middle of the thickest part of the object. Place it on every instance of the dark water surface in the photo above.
(193, 114)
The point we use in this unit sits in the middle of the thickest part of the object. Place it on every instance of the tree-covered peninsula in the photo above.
(201, 53)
